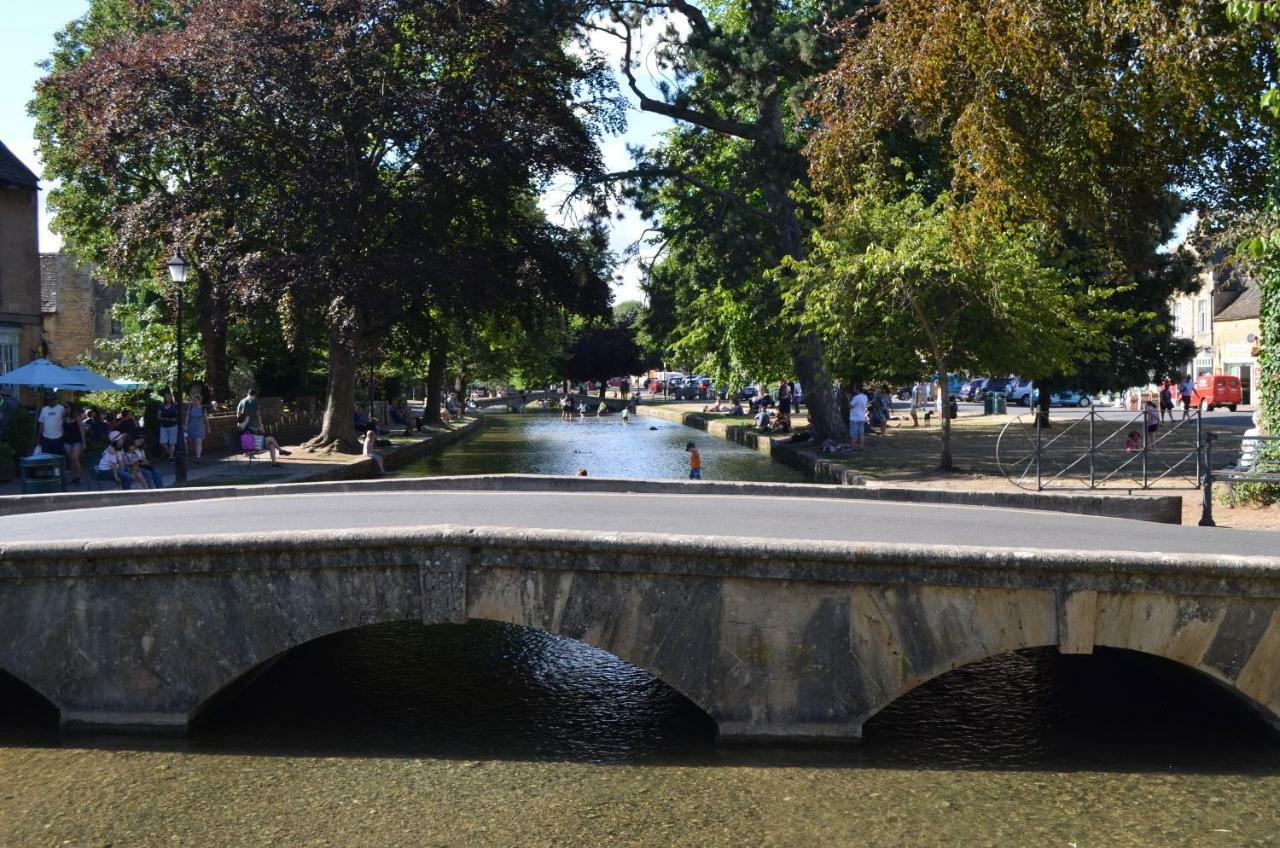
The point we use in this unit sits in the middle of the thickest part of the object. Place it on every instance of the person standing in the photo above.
(73, 439)
(1166, 400)
(695, 461)
(857, 417)
(919, 400)
(1185, 391)
(168, 426)
(195, 426)
(248, 412)
(50, 424)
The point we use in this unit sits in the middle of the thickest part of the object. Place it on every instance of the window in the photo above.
(8, 350)
(1202, 316)
(1179, 320)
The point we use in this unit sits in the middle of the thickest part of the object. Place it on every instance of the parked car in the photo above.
(1066, 397)
(972, 390)
(903, 393)
(1216, 390)
(998, 384)
(1020, 391)
(748, 392)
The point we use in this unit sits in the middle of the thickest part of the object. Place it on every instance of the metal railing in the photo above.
(1094, 452)
(1240, 460)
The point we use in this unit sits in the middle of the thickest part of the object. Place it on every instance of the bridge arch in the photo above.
(19, 699)
(495, 646)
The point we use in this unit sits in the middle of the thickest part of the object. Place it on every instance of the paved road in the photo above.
(773, 518)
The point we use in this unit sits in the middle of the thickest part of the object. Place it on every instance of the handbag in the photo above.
(247, 442)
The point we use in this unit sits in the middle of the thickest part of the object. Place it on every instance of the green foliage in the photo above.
(902, 286)
(1263, 250)
(19, 431)
(147, 351)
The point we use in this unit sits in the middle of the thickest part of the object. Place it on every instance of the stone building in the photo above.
(1237, 339)
(20, 325)
(76, 306)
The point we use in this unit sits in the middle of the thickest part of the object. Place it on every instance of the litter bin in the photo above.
(41, 473)
(988, 403)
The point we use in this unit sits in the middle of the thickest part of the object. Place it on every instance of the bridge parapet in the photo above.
(809, 640)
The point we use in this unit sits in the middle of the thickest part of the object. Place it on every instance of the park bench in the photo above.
(1258, 461)
(237, 451)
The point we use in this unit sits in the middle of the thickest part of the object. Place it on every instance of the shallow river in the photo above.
(488, 734)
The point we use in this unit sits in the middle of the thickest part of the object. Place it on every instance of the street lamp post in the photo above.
(178, 273)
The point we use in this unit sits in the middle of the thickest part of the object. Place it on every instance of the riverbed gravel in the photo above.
(90, 797)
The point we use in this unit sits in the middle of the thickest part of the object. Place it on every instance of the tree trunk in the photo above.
(944, 392)
(337, 426)
(211, 318)
(435, 382)
(1042, 407)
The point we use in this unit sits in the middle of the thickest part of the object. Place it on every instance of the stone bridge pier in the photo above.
(803, 641)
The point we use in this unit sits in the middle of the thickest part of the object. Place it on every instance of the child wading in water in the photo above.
(695, 462)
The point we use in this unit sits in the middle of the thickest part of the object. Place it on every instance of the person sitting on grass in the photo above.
(370, 439)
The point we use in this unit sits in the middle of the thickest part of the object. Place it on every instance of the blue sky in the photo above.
(29, 30)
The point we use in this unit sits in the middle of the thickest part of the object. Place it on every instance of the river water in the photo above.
(490, 734)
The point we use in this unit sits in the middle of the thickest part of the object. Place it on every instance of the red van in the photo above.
(1215, 390)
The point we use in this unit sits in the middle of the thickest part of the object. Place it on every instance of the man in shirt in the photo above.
(247, 411)
(49, 426)
(857, 417)
(1185, 390)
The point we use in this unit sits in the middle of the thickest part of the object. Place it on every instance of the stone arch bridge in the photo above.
(805, 641)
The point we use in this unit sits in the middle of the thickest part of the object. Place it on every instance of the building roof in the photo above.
(1247, 305)
(13, 172)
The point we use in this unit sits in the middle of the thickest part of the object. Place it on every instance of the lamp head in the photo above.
(178, 268)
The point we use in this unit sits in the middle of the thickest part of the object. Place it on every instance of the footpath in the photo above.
(302, 466)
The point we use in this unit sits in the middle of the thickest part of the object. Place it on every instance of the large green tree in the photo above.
(908, 285)
(1262, 18)
(1101, 121)
(732, 78)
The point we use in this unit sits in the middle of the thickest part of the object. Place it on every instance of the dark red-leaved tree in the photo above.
(332, 146)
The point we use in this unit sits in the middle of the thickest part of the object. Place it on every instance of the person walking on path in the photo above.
(195, 426)
(250, 413)
(695, 461)
(857, 418)
(50, 424)
(1185, 391)
(168, 426)
(1152, 417)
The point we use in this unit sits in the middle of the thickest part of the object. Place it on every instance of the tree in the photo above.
(604, 352)
(319, 133)
(732, 77)
(1259, 18)
(1103, 122)
(125, 198)
(905, 281)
